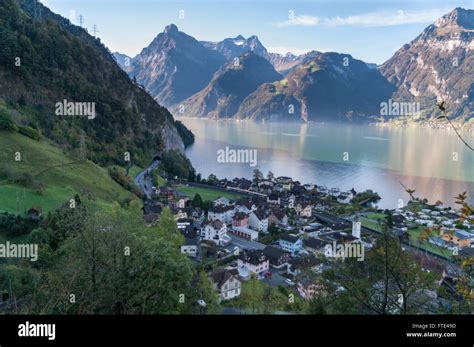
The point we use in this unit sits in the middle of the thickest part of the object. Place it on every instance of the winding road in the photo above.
(144, 180)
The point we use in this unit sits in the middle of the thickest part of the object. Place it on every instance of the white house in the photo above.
(222, 201)
(226, 283)
(304, 209)
(291, 243)
(214, 231)
(221, 213)
(259, 220)
(190, 247)
(254, 261)
(285, 182)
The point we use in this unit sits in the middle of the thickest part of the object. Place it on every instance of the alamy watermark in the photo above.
(345, 250)
(69, 108)
(229, 155)
(28, 329)
(396, 108)
(13, 250)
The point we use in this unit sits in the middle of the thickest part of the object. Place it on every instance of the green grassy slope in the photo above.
(60, 183)
(207, 193)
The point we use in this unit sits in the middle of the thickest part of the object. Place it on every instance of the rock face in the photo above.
(437, 65)
(175, 66)
(284, 64)
(123, 60)
(330, 86)
(229, 87)
(231, 48)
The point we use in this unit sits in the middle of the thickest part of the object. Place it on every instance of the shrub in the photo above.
(176, 164)
(6, 121)
(125, 181)
(30, 132)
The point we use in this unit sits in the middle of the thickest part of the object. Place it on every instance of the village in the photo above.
(277, 230)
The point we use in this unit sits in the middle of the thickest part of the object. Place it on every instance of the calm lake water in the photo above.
(432, 161)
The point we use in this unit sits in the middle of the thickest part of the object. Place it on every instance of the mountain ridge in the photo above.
(231, 84)
(419, 77)
(174, 66)
(438, 65)
(80, 69)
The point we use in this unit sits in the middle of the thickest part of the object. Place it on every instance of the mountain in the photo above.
(437, 65)
(284, 64)
(330, 86)
(46, 61)
(231, 48)
(230, 85)
(175, 66)
(123, 60)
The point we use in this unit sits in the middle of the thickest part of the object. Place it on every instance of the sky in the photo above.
(370, 30)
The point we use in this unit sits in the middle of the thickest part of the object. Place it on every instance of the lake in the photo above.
(432, 161)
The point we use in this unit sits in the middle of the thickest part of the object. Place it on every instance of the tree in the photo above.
(252, 295)
(204, 290)
(388, 281)
(197, 201)
(212, 179)
(389, 218)
(116, 265)
(270, 176)
(176, 164)
(316, 306)
(257, 176)
(6, 122)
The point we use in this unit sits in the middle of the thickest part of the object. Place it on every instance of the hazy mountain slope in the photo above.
(124, 61)
(229, 86)
(438, 65)
(175, 66)
(323, 89)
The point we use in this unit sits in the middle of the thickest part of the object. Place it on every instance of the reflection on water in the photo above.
(433, 161)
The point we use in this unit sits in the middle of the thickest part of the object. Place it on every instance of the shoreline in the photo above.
(464, 126)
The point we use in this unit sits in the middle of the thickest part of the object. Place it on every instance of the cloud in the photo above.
(371, 19)
(302, 20)
(384, 19)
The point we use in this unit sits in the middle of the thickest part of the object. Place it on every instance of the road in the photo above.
(245, 244)
(277, 279)
(144, 181)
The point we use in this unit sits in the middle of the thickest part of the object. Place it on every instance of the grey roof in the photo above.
(274, 252)
(253, 257)
(314, 243)
(191, 241)
(220, 209)
(290, 238)
(463, 235)
(216, 224)
(220, 277)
